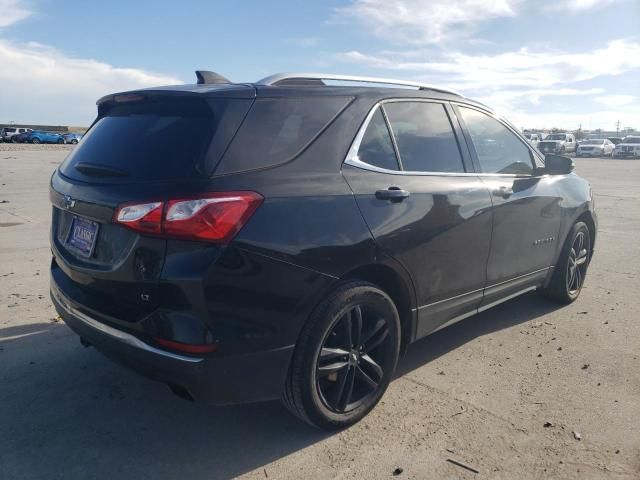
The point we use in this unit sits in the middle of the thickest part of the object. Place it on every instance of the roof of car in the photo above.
(308, 84)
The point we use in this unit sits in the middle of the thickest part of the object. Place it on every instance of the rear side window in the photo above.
(425, 138)
(157, 139)
(376, 147)
(278, 129)
(498, 149)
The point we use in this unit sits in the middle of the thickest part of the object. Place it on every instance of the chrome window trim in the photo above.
(353, 160)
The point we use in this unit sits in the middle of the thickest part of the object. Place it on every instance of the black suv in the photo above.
(289, 238)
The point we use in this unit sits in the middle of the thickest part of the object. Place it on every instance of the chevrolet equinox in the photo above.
(290, 238)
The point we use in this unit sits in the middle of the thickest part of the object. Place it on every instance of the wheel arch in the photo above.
(587, 217)
(397, 287)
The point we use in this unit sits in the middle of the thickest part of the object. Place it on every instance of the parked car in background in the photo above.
(21, 137)
(629, 148)
(558, 143)
(72, 138)
(39, 136)
(596, 147)
(7, 133)
(533, 138)
(615, 140)
(386, 214)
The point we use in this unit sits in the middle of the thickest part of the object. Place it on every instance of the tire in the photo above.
(74, 142)
(318, 389)
(35, 140)
(14, 139)
(570, 271)
(60, 141)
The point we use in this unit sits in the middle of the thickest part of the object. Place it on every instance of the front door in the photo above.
(526, 206)
(411, 183)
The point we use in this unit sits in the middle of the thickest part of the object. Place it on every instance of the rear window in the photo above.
(278, 129)
(9, 130)
(157, 139)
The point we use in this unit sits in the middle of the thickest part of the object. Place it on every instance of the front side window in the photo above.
(376, 147)
(498, 149)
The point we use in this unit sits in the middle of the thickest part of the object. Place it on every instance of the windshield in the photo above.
(556, 137)
(631, 140)
(593, 142)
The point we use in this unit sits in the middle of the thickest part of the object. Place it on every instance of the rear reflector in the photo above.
(186, 347)
(213, 217)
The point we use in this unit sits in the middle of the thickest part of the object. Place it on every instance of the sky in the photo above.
(541, 63)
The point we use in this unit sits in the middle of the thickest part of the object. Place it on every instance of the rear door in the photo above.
(423, 205)
(526, 205)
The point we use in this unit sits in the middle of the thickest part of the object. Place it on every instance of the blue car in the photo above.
(72, 138)
(39, 136)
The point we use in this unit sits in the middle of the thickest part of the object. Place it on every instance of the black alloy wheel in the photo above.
(570, 271)
(353, 359)
(345, 357)
(577, 264)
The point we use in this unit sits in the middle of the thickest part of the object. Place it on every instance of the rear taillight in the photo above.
(213, 217)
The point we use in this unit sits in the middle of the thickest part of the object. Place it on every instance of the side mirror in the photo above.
(558, 165)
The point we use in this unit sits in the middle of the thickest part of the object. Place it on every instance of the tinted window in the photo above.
(277, 129)
(425, 138)
(376, 147)
(498, 149)
(157, 139)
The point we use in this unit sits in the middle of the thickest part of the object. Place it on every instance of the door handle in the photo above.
(504, 192)
(393, 194)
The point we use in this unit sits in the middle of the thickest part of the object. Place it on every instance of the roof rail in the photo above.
(316, 79)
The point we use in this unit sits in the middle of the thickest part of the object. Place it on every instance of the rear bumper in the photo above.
(218, 380)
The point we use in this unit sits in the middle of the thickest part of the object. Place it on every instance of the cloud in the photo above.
(521, 68)
(422, 21)
(43, 85)
(576, 6)
(12, 11)
(616, 100)
(515, 82)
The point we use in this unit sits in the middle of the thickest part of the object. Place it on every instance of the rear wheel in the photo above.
(571, 269)
(345, 357)
(60, 141)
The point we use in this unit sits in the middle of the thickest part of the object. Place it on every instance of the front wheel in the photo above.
(571, 269)
(35, 140)
(345, 357)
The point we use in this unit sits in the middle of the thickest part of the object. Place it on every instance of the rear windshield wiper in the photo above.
(97, 170)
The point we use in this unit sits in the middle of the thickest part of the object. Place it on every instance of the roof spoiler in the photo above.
(205, 77)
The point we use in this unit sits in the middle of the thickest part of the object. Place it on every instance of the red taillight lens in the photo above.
(214, 217)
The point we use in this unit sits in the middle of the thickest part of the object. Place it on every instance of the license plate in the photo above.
(82, 236)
